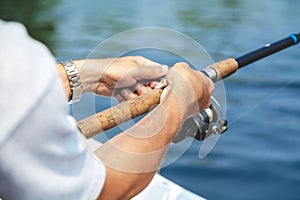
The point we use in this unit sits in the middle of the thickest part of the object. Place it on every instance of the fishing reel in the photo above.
(208, 122)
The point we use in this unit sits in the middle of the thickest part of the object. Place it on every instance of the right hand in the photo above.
(192, 89)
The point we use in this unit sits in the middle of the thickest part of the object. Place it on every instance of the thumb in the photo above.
(148, 72)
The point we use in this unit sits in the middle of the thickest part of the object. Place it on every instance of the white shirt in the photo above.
(42, 153)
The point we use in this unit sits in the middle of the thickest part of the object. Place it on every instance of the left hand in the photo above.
(114, 76)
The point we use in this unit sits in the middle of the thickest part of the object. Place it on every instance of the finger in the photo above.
(119, 98)
(209, 87)
(104, 89)
(151, 63)
(210, 84)
(144, 61)
(148, 83)
(127, 94)
(149, 72)
(153, 84)
(141, 89)
(180, 66)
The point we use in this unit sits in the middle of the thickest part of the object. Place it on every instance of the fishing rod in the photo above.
(207, 122)
(225, 68)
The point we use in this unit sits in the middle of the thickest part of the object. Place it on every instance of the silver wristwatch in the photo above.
(75, 84)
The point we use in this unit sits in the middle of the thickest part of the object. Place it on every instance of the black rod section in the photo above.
(267, 50)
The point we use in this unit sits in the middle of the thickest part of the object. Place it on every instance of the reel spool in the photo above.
(209, 121)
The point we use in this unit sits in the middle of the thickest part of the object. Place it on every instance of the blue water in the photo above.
(259, 156)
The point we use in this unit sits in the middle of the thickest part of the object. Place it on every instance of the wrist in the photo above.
(167, 116)
(69, 74)
(64, 79)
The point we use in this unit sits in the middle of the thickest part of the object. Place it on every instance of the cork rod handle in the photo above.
(118, 114)
(224, 68)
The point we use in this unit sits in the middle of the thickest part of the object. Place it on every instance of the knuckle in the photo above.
(139, 59)
(181, 65)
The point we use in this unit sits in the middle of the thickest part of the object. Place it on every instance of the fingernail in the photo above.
(124, 93)
(164, 68)
(138, 86)
(161, 84)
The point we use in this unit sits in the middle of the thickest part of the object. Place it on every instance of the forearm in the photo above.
(133, 157)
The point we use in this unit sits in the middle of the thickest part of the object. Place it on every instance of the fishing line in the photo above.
(262, 102)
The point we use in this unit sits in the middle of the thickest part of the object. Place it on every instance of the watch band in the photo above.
(74, 80)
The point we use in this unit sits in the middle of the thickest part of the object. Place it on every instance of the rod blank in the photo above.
(267, 50)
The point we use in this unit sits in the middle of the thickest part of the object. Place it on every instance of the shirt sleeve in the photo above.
(42, 153)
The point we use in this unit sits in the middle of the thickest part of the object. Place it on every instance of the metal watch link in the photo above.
(74, 80)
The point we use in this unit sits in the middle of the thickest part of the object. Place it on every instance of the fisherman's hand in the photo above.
(110, 76)
(191, 89)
